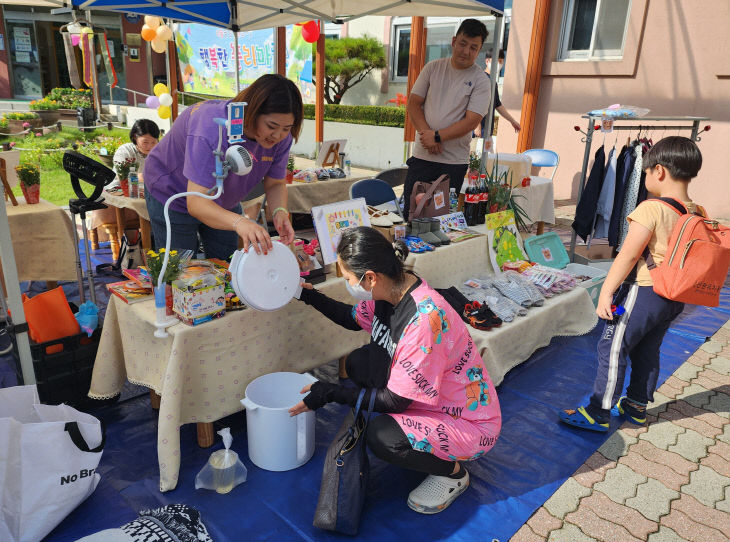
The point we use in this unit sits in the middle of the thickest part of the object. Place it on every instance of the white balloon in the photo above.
(158, 45)
(152, 21)
(165, 99)
(164, 32)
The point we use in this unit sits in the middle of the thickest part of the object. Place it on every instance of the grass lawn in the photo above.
(55, 182)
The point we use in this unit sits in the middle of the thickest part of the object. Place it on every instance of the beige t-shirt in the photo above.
(660, 218)
(449, 93)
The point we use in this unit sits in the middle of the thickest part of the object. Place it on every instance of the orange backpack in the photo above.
(697, 260)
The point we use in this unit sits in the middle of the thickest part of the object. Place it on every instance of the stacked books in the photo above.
(130, 291)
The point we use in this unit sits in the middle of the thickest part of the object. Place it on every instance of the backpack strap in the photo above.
(681, 209)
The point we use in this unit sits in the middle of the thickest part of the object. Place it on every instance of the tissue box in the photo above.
(199, 300)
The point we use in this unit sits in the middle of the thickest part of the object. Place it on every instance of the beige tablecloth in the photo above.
(503, 348)
(304, 196)
(202, 372)
(537, 200)
(43, 241)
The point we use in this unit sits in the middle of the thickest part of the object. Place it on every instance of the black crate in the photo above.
(63, 377)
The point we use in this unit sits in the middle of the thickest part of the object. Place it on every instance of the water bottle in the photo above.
(453, 200)
(348, 168)
(133, 183)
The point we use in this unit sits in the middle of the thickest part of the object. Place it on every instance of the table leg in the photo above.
(120, 223)
(155, 400)
(206, 436)
(145, 231)
(540, 227)
(94, 234)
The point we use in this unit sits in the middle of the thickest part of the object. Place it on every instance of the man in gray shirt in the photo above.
(447, 102)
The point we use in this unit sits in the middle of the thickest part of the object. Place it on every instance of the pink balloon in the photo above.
(75, 39)
(153, 102)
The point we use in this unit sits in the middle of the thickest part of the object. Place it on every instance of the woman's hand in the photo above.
(284, 227)
(300, 406)
(253, 235)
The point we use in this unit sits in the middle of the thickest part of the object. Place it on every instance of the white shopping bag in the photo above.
(48, 460)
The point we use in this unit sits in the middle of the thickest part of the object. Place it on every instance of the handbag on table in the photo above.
(345, 473)
(430, 199)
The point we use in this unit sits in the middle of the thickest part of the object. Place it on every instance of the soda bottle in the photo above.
(482, 198)
(471, 202)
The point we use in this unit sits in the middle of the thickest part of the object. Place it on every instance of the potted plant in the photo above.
(154, 266)
(3, 125)
(29, 175)
(47, 110)
(122, 170)
(500, 196)
(70, 99)
(106, 146)
(20, 122)
(290, 170)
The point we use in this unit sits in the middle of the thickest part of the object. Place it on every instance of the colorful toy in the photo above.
(477, 390)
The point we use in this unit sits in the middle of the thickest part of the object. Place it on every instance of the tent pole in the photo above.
(493, 78)
(10, 272)
(281, 50)
(319, 101)
(416, 57)
(235, 28)
(533, 74)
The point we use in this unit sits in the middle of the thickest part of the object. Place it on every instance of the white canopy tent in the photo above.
(237, 15)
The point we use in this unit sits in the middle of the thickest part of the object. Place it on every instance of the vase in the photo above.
(124, 183)
(168, 300)
(31, 193)
(48, 117)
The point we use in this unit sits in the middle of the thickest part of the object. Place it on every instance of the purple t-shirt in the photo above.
(186, 153)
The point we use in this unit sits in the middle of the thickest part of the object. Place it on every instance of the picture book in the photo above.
(139, 276)
(505, 242)
(129, 291)
(332, 219)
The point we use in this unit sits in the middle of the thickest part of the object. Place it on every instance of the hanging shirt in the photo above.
(632, 196)
(585, 212)
(604, 208)
(624, 166)
(186, 153)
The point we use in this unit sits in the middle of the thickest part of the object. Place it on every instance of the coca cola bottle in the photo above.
(471, 202)
(482, 198)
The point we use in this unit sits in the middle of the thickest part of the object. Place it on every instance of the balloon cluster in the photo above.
(162, 100)
(157, 33)
(310, 31)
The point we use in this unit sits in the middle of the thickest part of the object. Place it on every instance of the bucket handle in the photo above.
(248, 404)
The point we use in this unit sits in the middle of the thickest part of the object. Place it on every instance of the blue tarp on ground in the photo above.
(533, 457)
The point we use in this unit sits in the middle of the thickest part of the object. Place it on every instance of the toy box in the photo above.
(547, 249)
(199, 300)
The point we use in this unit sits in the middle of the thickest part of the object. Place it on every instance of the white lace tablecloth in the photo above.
(537, 200)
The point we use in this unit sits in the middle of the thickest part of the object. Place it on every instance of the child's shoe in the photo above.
(631, 411)
(581, 418)
(436, 493)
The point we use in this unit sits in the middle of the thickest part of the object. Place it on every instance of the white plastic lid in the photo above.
(265, 283)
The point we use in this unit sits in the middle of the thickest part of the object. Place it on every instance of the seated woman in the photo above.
(143, 136)
(441, 406)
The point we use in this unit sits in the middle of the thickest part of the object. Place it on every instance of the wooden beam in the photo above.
(173, 68)
(416, 57)
(533, 75)
(319, 88)
(281, 50)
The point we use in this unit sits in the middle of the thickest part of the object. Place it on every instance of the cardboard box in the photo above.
(517, 166)
(199, 301)
(388, 232)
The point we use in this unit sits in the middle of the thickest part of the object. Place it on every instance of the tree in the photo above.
(347, 62)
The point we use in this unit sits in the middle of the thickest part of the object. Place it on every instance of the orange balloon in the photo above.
(148, 34)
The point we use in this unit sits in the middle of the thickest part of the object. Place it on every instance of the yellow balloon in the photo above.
(152, 21)
(164, 112)
(160, 88)
(158, 45)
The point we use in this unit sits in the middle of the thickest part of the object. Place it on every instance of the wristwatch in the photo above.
(437, 137)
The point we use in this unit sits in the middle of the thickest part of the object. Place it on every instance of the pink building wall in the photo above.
(675, 63)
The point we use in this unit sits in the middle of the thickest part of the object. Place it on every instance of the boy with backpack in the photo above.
(636, 317)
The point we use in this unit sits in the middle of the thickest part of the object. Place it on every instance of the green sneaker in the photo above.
(626, 409)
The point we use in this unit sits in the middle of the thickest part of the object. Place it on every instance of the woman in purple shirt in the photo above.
(184, 161)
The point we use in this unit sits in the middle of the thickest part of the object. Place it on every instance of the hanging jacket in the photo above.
(585, 212)
(604, 206)
(632, 195)
(624, 166)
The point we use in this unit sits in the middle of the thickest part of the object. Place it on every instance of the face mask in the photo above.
(358, 292)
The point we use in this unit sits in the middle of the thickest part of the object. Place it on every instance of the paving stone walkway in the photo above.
(666, 482)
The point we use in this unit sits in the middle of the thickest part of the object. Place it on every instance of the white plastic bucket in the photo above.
(277, 441)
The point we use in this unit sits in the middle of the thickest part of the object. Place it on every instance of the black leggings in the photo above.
(387, 440)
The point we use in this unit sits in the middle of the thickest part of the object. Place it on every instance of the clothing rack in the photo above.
(691, 124)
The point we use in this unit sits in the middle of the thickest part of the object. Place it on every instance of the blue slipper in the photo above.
(627, 411)
(581, 418)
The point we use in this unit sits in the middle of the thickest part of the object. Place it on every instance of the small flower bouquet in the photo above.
(154, 266)
(122, 170)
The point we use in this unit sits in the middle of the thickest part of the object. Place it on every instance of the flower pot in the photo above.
(31, 193)
(48, 117)
(16, 126)
(289, 177)
(67, 114)
(124, 183)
